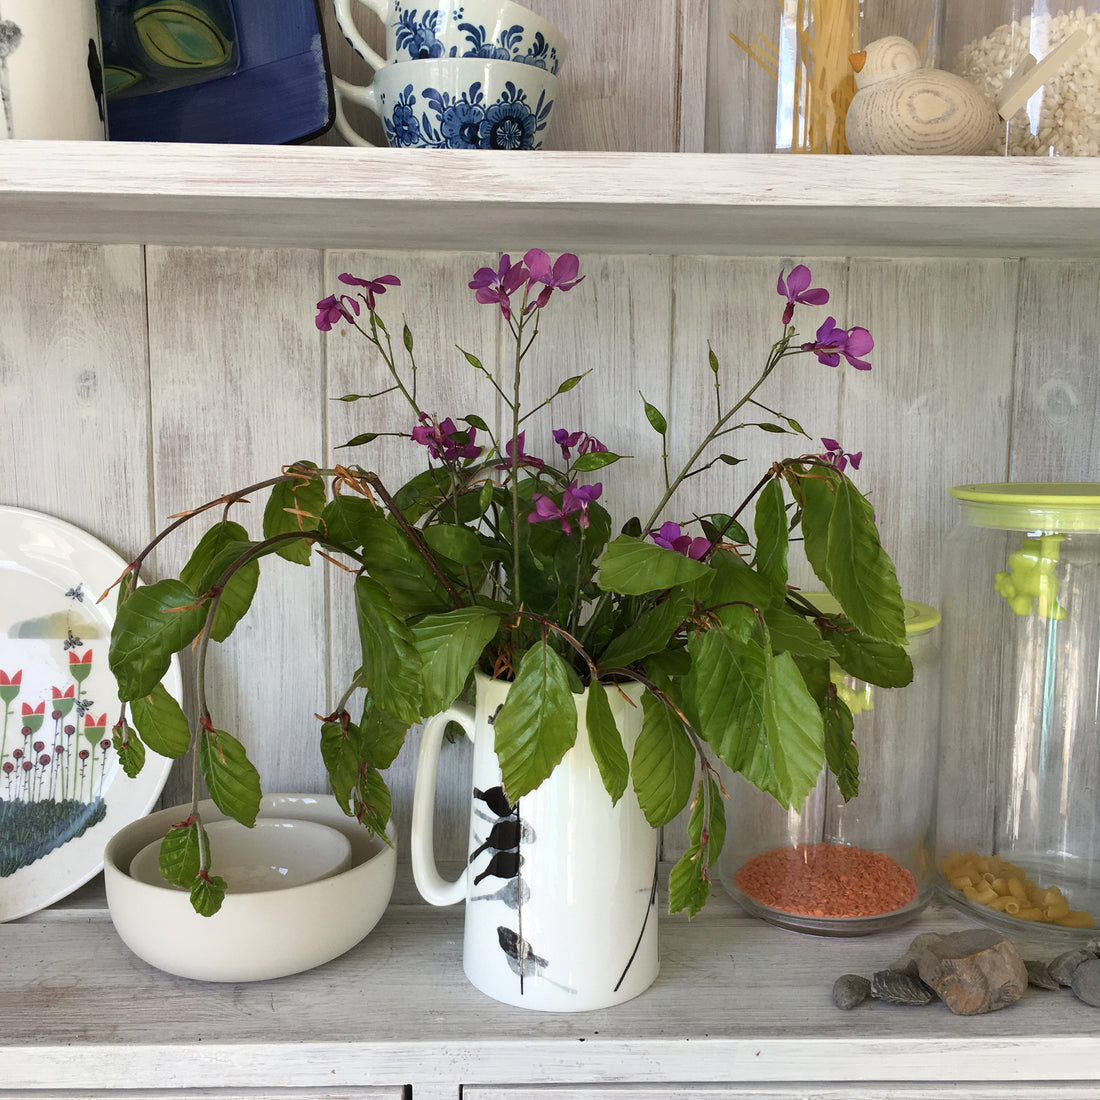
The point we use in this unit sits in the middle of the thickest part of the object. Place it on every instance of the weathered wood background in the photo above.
(138, 381)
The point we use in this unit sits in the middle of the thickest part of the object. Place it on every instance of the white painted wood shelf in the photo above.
(315, 196)
(739, 1010)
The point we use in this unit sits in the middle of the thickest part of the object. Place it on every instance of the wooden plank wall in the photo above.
(141, 381)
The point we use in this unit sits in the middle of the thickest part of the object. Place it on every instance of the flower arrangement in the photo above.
(495, 558)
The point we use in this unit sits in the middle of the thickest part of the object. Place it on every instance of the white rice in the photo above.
(1065, 113)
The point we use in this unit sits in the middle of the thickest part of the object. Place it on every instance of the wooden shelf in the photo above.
(315, 196)
(737, 1004)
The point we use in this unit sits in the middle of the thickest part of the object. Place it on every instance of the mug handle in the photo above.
(351, 32)
(431, 884)
(356, 94)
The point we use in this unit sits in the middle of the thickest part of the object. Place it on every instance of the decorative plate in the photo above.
(63, 793)
(239, 71)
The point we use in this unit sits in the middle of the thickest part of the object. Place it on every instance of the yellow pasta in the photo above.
(1003, 887)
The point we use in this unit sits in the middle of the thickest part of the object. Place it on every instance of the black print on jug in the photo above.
(10, 37)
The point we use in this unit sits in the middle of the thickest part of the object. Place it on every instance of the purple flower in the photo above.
(500, 284)
(832, 342)
(796, 288)
(524, 459)
(672, 538)
(444, 440)
(584, 442)
(332, 310)
(371, 287)
(576, 498)
(559, 275)
(838, 458)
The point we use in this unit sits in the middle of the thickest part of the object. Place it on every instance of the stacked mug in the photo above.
(472, 74)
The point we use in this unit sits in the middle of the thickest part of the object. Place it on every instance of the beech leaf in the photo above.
(230, 777)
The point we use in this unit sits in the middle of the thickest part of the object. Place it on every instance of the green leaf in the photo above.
(778, 429)
(595, 460)
(606, 742)
(727, 686)
(458, 543)
(841, 754)
(688, 884)
(770, 527)
(346, 520)
(473, 360)
(407, 337)
(864, 579)
(179, 857)
(724, 527)
(729, 460)
(633, 567)
(735, 584)
(537, 725)
(161, 722)
(476, 421)
(383, 735)
(713, 359)
(884, 664)
(794, 729)
(230, 777)
(343, 752)
(217, 550)
(207, 894)
(391, 664)
(449, 646)
(155, 622)
(295, 505)
(359, 440)
(793, 633)
(663, 765)
(569, 383)
(654, 416)
(394, 562)
(130, 750)
(815, 489)
(650, 633)
(373, 804)
(707, 822)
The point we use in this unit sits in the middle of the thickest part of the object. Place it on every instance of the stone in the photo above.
(1038, 974)
(974, 971)
(1086, 982)
(907, 964)
(1062, 967)
(850, 990)
(899, 987)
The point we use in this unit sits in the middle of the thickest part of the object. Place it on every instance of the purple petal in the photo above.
(538, 264)
(798, 280)
(830, 444)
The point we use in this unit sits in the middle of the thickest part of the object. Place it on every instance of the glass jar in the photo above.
(1018, 822)
(992, 42)
(779, 77)
(838, 868)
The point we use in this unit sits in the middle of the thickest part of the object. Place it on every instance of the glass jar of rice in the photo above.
(991, 42)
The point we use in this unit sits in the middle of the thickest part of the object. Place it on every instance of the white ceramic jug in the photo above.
(51, 70)
(560, 889)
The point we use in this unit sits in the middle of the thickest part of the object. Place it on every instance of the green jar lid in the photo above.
(919, 617)
(1032, 505)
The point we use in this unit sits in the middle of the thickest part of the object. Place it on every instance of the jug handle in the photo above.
(432, 885)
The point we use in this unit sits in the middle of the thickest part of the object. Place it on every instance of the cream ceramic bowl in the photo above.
(277, 852)
(258, 935)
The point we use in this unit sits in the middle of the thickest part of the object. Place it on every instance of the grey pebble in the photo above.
(899, 987)
(1086, 982)
(1038, 974)
(1062, 967)
(850, 990)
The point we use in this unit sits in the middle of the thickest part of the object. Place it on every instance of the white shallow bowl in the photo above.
(276, 853)
(254, 936)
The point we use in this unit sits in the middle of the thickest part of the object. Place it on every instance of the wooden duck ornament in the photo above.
(900, 107)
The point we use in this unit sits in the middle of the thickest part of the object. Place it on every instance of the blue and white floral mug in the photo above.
(454, 103)
(494, 29)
